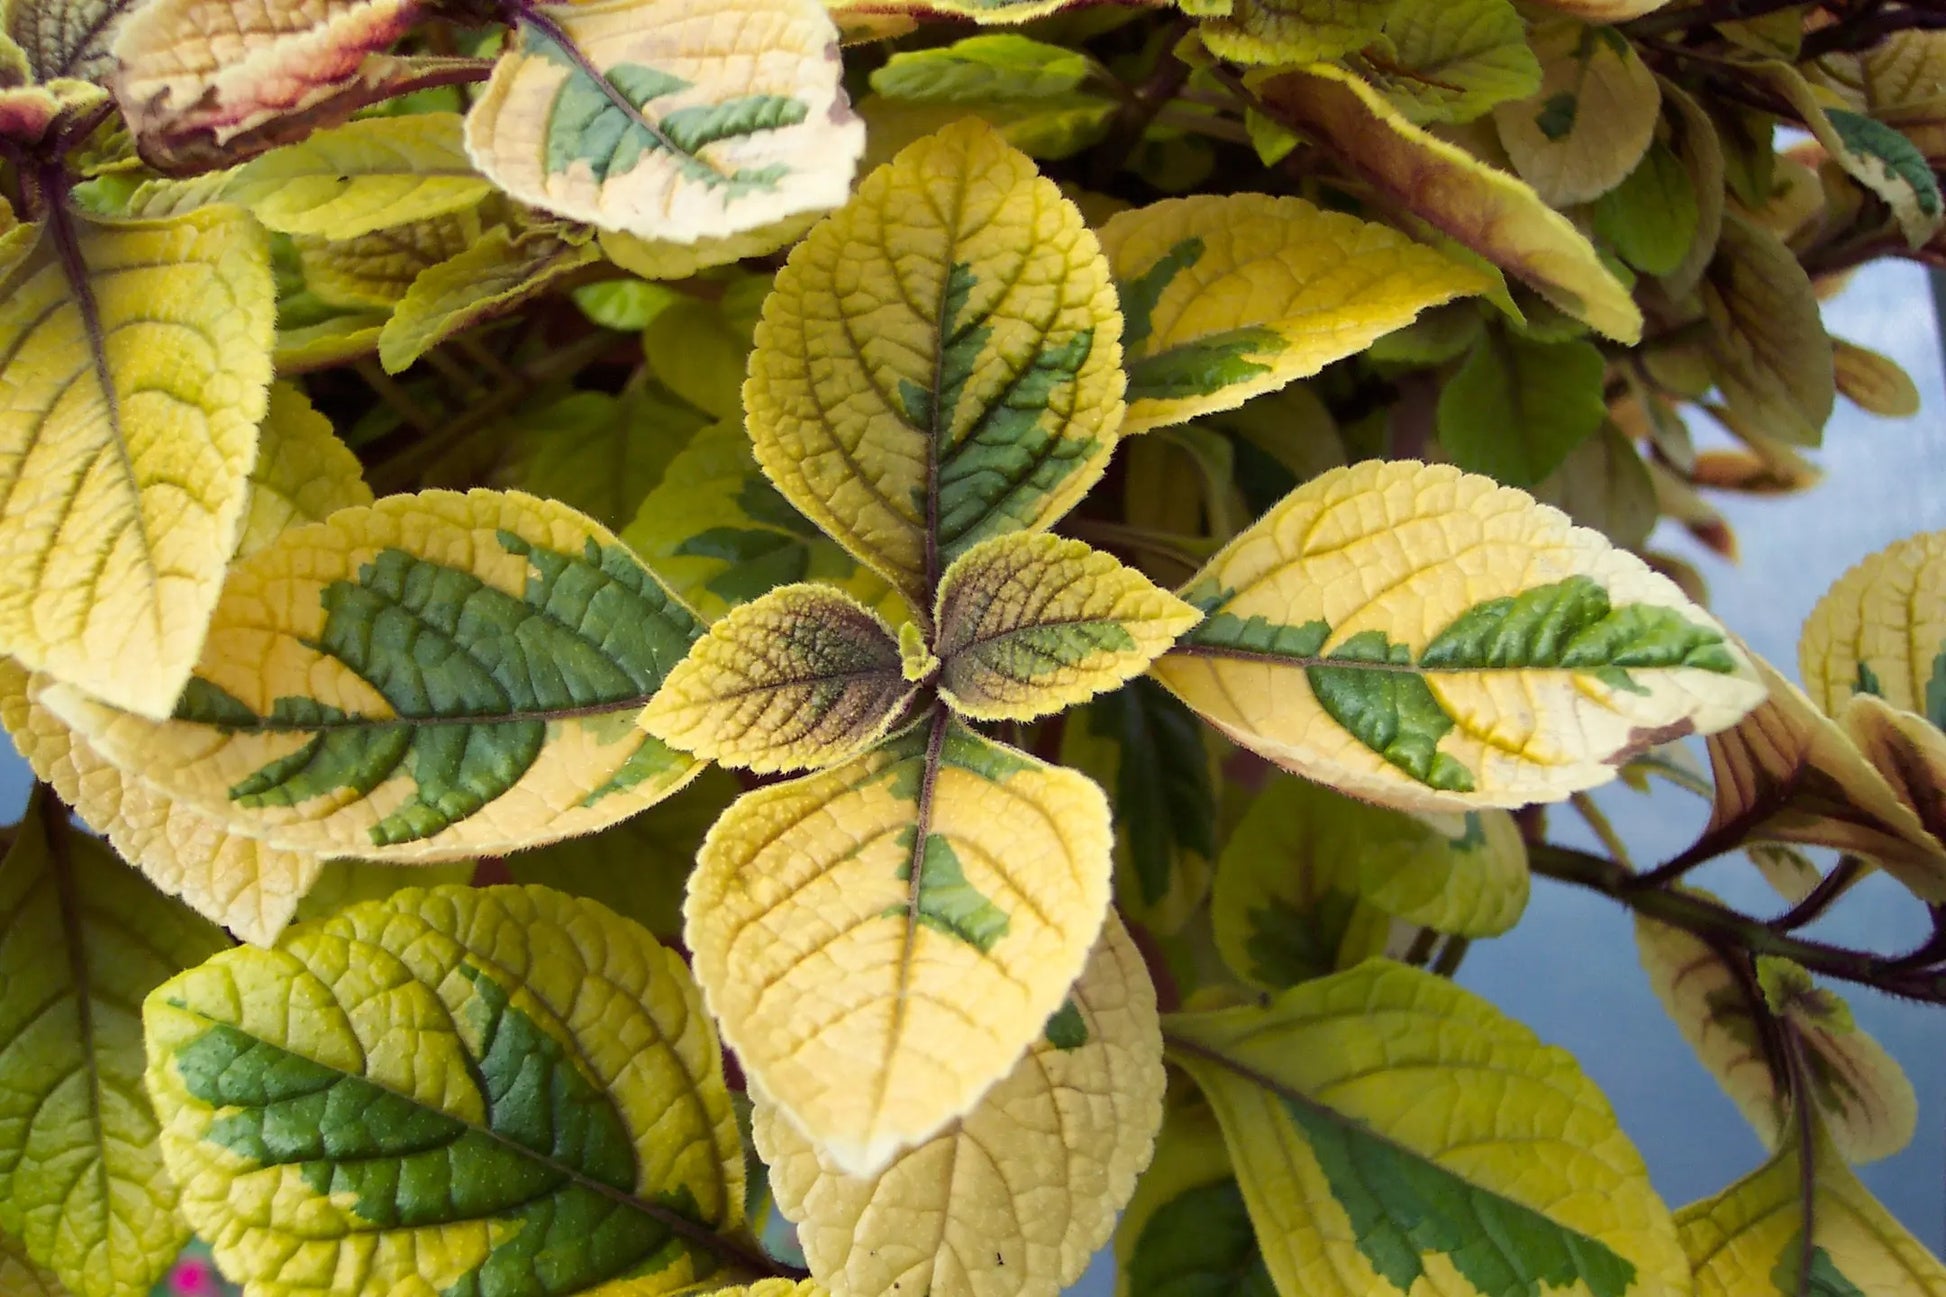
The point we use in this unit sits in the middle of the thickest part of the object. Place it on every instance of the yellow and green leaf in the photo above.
(1908, 751)
(1881, 630)
(1293, 31)
(66, 38)
(345, 882)
(668, 259)
(880, 941)
(1029, 625)
(22, 1276)
(1390, 1130)
(965, 382)
(362, 176)
(658, 119)
(496, 275)
(1874, 154)
(1653, 217)
(1492, 213)
(1151, 754)
(138, 364)
(1423, 638)
(1724, 1011)
(1750, 1240)
(402, 1099)
(1452, 60)
(1593, 117)
(1018, 1194)
(1046, 100)
(1228, 297)
(1875, 383)
(303, 472)
(374, 272)
(1768, 350)
(434, 676)
(1310, 880)
(82, 940)
(801, 678)
(601, 454)
(1186, 1229)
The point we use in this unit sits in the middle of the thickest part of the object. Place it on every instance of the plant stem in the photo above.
(1829, 889)
(1132, 119)
(1598, 823)
(1450, 955)
(1916, 976)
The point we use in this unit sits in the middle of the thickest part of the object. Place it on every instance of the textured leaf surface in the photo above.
(303, 472)
(1014, 1197)
(1881, 630)
(1768, 350)
(721, 535)
(879, 942)
(82, 940)
(1591, 120)
(362, 176)
(602, 454)
(1452, 60)
(128, 423)
(1749, 1239)
(1389, 1128)
(203, 82)
(1492, 213)
(1517, 408)
(20, 1274)
(1309, 879)
(1423, 638)
(1046, 100)
(1030, 625)
(1860, 1093)
(1293, 31)
(1150, 753)
(67, 38)
(435, 676)
(940, 361)
(663, 120)
(455, 1089)
(801, 678)
(1229, 297)
(1186, 1230)
(489, 279)
(1790, 774)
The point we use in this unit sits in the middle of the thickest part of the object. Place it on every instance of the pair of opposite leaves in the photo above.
(1410, 633)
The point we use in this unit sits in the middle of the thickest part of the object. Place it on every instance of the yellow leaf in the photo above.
(1310, 880)
(489, 279)
(1452, 60)
(1492, 213)
(1751, 1237)
(696, 353)
(303, 472)
(82, 940)
(322, 719)
(761, 1288)
(1225, 298)
(500, 1085)
(667, 259)
(1590, 122)
(1394, 1133)
(1293, 31)
(1859, 1091)
(375, 271)
(1014, 1197)
(128, 424)
(1881, 630)
(801, 678)
(362, 176)
(940, 361)
(1030, 625)
(1874, 383)
(205, 82)
(879, 942)
(1428, 639)
(667, 121)
(1786, 773)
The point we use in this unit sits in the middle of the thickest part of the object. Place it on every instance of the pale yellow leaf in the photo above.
(362, 176)
(303, 472)
(494, 276)
(1881, 630)
(1590, 122)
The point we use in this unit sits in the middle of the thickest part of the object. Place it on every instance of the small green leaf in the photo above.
(1517, 408)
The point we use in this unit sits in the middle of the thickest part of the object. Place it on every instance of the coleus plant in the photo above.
(1205, 290)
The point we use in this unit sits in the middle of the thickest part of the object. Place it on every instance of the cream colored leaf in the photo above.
(1393, 1133)
(1861, 1095)
(670, 121)
(1228, 297)
(431, 677)
(1786, 773)
(206, 82)
(128, 423)
(1751, 1237)
(1874, 154)
(800, 678)
(1430, 640)
(1591, 120)
(879, 942)
(1488, 211)
(940, 361)
(856, 14)
(362, 176)
(489, 279)
(1790, 872)
(303, 472)
(1881, 630)
(1030, 625)
(1013, 1199)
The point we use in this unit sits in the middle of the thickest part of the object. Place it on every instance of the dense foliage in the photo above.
(851, 650)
